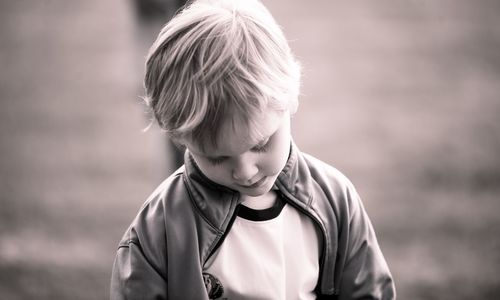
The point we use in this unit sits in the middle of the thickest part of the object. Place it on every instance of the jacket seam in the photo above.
(126, 244)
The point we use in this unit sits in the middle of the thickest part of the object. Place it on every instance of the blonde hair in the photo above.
(215, 60)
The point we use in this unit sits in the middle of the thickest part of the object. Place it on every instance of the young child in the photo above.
(248, 216)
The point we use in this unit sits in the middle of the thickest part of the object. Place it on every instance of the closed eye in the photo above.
(262, 147)
(216, 160)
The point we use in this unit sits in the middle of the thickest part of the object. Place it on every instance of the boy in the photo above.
(248, 216)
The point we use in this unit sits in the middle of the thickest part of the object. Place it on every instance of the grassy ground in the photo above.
(402, 97)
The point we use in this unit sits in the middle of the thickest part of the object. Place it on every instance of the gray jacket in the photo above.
(163, 251)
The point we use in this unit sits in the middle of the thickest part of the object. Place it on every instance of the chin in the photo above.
(256, 192)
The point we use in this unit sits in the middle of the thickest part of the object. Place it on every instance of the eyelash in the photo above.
(262, 148)
(216, 161)
(220, 160)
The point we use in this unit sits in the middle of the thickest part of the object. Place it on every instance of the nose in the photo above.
(245, 169)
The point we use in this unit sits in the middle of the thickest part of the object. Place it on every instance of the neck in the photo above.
(260, 202)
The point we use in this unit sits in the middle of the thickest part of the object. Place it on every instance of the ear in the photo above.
(179, 143)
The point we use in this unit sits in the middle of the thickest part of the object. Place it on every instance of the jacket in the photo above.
(162, 253)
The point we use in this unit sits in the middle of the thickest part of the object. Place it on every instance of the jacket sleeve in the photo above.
(133, 277)
(365, 272)
(139, 269)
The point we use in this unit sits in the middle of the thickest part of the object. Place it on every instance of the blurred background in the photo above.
(401, 96)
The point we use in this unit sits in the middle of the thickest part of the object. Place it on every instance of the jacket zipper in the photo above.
(221, 239)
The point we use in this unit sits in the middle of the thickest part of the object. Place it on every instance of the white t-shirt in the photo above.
(267, 254)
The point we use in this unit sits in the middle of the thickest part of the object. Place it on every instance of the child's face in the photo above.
(245, 165)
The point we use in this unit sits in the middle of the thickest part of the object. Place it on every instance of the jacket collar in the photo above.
(295, 178)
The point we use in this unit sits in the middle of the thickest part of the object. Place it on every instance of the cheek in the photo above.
(273, 165)
(275, 161)
(214, 173)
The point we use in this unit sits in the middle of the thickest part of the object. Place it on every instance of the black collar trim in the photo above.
(259, 215)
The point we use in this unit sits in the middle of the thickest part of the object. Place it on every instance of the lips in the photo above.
(256, 184)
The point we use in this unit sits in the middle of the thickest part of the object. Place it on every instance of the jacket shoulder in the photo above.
(332, 186)
(148, 228)
(325, 174)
